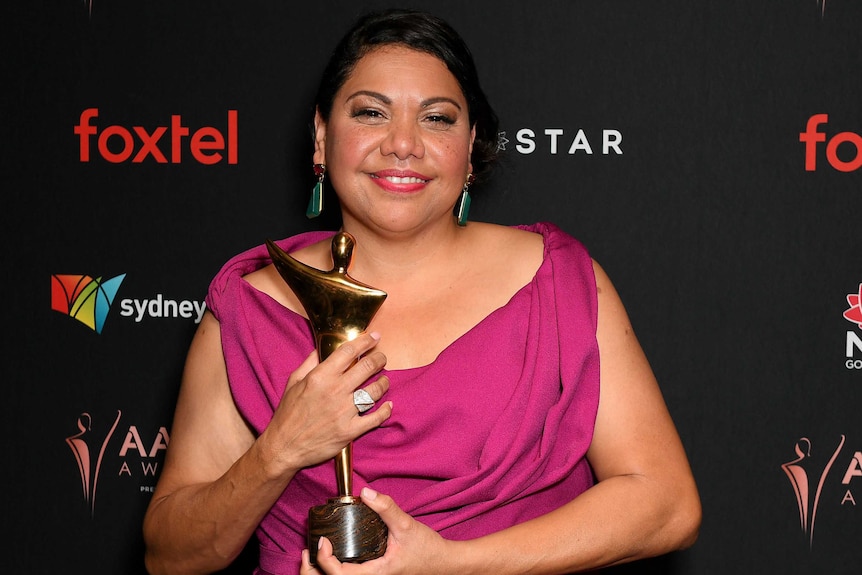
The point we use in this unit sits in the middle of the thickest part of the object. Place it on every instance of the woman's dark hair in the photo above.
(425, 33)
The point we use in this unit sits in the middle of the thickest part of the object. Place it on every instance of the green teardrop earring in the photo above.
(315, 204)
(462, 208)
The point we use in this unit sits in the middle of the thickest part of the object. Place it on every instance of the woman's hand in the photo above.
(412, 548)
(316, 417)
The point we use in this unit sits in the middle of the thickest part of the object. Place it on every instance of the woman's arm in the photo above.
(218, 480)
(644, 504)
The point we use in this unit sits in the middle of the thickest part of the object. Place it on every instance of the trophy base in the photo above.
(357, 533)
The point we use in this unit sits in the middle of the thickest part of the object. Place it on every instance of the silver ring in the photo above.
(362, 400)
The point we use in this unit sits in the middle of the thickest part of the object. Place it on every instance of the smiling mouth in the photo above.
(401, 180)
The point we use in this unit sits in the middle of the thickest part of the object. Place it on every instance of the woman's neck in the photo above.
(391, 257)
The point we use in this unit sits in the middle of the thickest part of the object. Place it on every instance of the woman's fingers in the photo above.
(328, 562)
(394, 517)
(374, 390)
(349, 366)
(318, 416)
(309, 363)
(306, 568)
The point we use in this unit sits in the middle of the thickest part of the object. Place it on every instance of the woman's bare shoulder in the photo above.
(510, 237)
(509, 252)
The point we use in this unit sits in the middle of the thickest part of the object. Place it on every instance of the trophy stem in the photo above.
(344, 471)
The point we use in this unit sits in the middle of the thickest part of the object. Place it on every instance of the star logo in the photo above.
(501, 141)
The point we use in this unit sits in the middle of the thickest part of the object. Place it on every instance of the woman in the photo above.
(491, 448)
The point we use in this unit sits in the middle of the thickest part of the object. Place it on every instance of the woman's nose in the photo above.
(403, 140)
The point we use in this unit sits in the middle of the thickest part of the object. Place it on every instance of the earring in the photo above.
(462, 208)
(315, 204)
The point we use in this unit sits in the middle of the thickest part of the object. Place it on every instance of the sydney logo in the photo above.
(86, 299)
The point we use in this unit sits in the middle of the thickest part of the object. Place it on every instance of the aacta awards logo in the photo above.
(808, 474)
(89, 445)
(86, 299)
(89, 455)
(853, 314)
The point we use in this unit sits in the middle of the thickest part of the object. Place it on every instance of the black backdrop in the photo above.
(738, 261)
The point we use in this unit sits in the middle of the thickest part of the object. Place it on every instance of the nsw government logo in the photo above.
(853, 314)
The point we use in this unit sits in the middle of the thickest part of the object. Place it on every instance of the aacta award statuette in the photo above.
(339, 308)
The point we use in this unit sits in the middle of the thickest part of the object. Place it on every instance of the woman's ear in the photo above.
(470, 153)
(319, 138)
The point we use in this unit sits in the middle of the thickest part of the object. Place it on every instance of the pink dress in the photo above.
(493, 433)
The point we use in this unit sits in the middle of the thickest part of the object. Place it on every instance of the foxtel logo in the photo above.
(811, 137)
(117, 144)
(89, 300)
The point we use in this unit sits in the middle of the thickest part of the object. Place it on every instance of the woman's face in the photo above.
(398, 141)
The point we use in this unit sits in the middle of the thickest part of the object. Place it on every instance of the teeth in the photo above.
(410, 180)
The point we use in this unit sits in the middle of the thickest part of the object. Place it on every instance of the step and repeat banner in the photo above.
(709, 154)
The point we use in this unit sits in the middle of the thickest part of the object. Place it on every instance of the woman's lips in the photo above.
(398, 181)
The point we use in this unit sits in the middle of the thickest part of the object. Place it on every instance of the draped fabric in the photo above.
(492, 433)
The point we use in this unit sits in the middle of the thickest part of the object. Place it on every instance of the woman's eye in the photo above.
(367, 113)
(441, 120)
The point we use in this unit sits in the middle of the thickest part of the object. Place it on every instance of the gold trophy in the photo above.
(339, 308)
